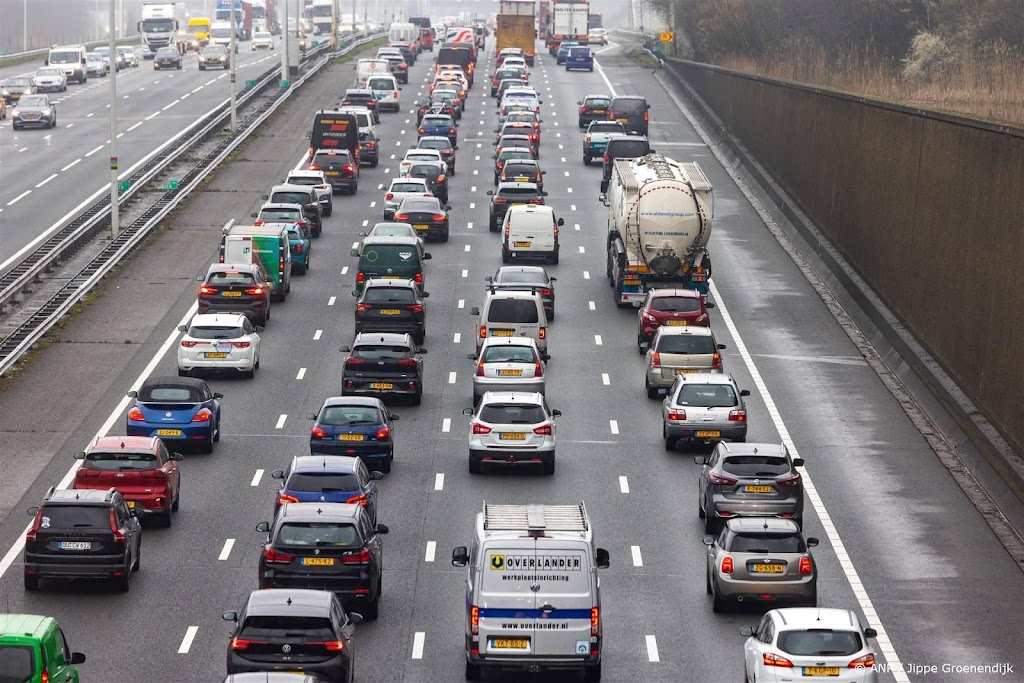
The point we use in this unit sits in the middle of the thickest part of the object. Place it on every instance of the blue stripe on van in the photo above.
(534, 613)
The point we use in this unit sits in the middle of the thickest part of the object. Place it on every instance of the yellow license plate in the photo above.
(685, 371)
(757, 489)
(318, 561)
(510, 643)
(630, 282)
(390, 311)
(599, 111)
(502, 333)
(229, 293)
(381, 385)
(521, 245)
(351, 437)
(759, 568)
(510, 373)
(521, 179)
(821, 671)
(421, 226)
(389, 277)
(168, 432)
(215, 354)
(131, 504)
(513, 436)
(332, 173)
(622, 120)
(675, 323)
(708, 434)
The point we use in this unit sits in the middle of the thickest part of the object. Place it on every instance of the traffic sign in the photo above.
(123, 185)
(668, 37)
(171, 185)
(250, 84)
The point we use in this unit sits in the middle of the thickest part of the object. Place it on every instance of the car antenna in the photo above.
(288, 602)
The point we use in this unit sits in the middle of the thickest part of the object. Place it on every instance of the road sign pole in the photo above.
(284, 42)
(232, 47)
(112, 45)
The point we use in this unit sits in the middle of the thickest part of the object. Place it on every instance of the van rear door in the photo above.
(531, 232)
(507, 601)
(564, 601)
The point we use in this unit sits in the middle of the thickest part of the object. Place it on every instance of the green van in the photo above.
(33, 649)
(390, 258)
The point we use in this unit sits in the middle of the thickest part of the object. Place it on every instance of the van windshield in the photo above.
(513, 311)
(65, 57)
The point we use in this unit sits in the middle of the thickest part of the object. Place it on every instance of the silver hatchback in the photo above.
(680, 350)
(761, 559)
(508, 364)
(702, 408)
(512, 428)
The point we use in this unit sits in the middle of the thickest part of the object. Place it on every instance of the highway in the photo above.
(899, 540)
(50, 172)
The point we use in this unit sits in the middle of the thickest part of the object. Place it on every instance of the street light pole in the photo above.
(24, 24)
(232, 47)
(334, 25)
(284, 42)
(114, 218)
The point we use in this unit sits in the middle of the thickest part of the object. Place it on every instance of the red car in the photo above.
(139, 467)
(670, 307)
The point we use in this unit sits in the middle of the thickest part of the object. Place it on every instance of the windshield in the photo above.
(17, 663)
(346, 416)
(755, 465)
(198, 28)
(322, 482)
(707, 396)
(318, 534)
(685, 344)
(121, 462)
(438, 121)
(213, 50)
(260, 35)
(425, 171)
(766, 543)
(512, 311)
(627, 149)
(222, 32)
(508, 354)
(65, 57)
(17, 83)
(32, 101)
(93, 57)
(212, 332)
(381, 352)
(157, 25)
(512, 413)
(819, 642)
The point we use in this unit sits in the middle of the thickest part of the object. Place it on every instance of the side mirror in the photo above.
(579, 103)
(744, 392)
(603, 559)
(798, 462)
(561, 221)
(277, 474)
(253, 215)
(460, 556)
(474, 311)
(310, 416)
(218, 395)
(700, 459)
(32, 511)
(543, 194)
(426, 257)
(472, 356)
(721, 346)
(494, 156)
(644, 346)
(603, 198)
(490, 193)
(264, 196)
(377, 476)
(467, 411)
(812, 542)
(77, 658)
(747, 631)
(80, 455)
(258, 328)
(355, 618)
(545, 357)
(556, 413)
(709, 305)
(425, 294)
(870, 633)
(132, 394)
(663, 392)
(354, 253)
(177, 457)
(421, 350)
(496, 130)
(263, 527)
(182, 328)
(200, 278)
(229, 616)
(709, 540)
(395, 418)
(382, 529)
(345, 349)
(651, 151)
(448, 207)
(354, 293)
(543, 172)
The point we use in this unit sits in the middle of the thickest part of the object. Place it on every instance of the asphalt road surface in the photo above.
(900, 542)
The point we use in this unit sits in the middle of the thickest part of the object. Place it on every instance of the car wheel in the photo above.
(670, 443)
(700, 510)
(216, 434)
(717, 603)
(493, 225)
(177, 496)
(710, 524)
(593, 674)
(31, 582)
(329, 211)
(165, 521)
(474, 466)
(474, 672)
(549, 467)
(586, 160)
(371, 610)
(138, 551)
(386, 467)
(652, 392)
(201, 68)
(123, 582)
(300, 269)
(707, 583)
(184, 373)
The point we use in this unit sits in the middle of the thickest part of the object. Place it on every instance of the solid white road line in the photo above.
(431, 550)
(614, 424)
(256, 477)
(439, 481)
(186, 642)
(652, 649)
(638, 560)
(281, 421)
(624, 484)
(225, 552)
(417, 645)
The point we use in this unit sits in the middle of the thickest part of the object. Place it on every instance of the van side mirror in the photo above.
(264, 196)
(798, 462)
(812, 542)
(263, 527)
(543, 194)
(467, 411)
(345, 349)
(460, 556)
(490, 193)
(644, 346)
(472, 356)
(561, 221)
(474, 311)
(426, 257)
(603, 559)
(744, 392)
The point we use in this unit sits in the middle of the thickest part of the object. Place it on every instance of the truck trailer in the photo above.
(243, 16)
(569, 21)
(516, 23)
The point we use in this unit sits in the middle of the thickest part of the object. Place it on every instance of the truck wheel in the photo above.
(473, 672)
(586, 160)
(593, 674)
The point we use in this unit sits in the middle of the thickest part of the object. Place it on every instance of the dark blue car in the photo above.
(440, 125)
(299, 243)
(178, 409)
(563, 50)
(359, 426)
(579, 57)
(328, 479)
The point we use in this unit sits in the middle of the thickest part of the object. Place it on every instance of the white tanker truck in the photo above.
(659, 222)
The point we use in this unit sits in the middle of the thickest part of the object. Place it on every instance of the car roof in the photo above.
(359, 91)
(512, 397)
(410, 180)
(129, 444)
(386, 338)
(305, 173)
(673, 291)
(291, 187)
(800, 618)
(314, 512)
(282, 601)
(630, 97)
(706, 378)
(365, 401)
(409, 240)
(766, 525)
(226, 267)
(79, 497)
(420, 150)
(380, 283)
(522, 269)
(320, 463)
(509, 341)
(517, 209)
(687, 331)
(271, 677)
(285, 205)
(751, 448)
(506, 184)
(171, 380)
(627, 136)
(512, 294)
(24, 625)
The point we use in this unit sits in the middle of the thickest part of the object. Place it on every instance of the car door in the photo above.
(563, 597)
(702, 482)
(369, 487)
(507, 599)
(753, 647)
(130, 527)
(372, 541)
(250, 331)
(170, 470)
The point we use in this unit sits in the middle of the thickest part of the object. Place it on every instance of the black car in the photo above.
(13, 88)
(408, 53)
(433, 173)
(622, 147)
(529, 279)
(369, 148)
(340, 169)
(303, 195)
(362, 97)
(593, 108)
(399, 69)
(631, 111)
(508, 194)
(520, 140)
(238, 288)
(82, 533)
(391, 306)
(427, 215)
(443, 144)
(166, 58)
(383, 364)
(293, 630)
(523, 171)
(502, 156)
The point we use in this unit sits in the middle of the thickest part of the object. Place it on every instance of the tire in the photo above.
(718, 605)
(300, 270)
(177, 496)
(670, 443)
(554, 262)
(375, 163)
(652, 392)
(386, 466)
(474, 466)
(493, 227)
(138, 551)
(417, 398)
(329, 212)
(700, 510)
(444, 238)
(202, 68)
(586, 160)
(506, 256)
(549, 467)
(707, 583)
(371, 611)
(474, 672)
(31, 582)
(593, 674)
(183, 373)
(640, 340)
(207, 445)
(123, 582)
(165, 521)
(710, 524)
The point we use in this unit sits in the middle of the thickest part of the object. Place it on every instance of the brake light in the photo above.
(481, 428)
(354, 361)
(441, 178)
(371, 145)
(318, 432)
(438, 217)
(188, 344)
(259, 222)
(423, 131)
(645, 117)
(240, 344)
(538, 201)
(362, 558)
(118, 534)
(314, 167)
(584, 110)
(360, 278)
(865, 662)
(331, 645)
(206, 289)
(30, 537)
(538, 369)
(358, 500)
(415, 308)
(727, 564)
(389, 195)
(276, 556)
(500, 201)
(451, 131)
(254, 291)
(805, 566)
(677, 415)
(474, 620)
(419, 278)
(203, 415)
(655, 360)
(241, 644)
(716, 360)
(595, 621)
(501, 164)
(788, 481)
(363, 308)
(543, 430)
(542, 333)
(720, 480)
(348, 167)
(135, 414)
(283, 498)
(44, 677)
(401, 216)
(395, 95)
(737, 416)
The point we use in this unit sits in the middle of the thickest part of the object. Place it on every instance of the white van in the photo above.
(385, 89)
(403, 33)
(71, 59)
(365, 68)
(364, 118)
(507, 313)
(533, 599)
(530, 231)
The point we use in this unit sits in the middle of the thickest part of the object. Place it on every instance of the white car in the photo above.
(400, 189)
(219, 341)
(318, 181)
(131, 57)
(597, 36)
(50, 79)
(385, 89)
(527, 96)
(809, 643)
(418, 154)
(508, 364)
(514, 61)
(262, 40)
(512, 428)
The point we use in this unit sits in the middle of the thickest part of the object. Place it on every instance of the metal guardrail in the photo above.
(13, 347)
(24, 56)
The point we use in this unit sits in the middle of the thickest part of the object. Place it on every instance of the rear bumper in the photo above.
(766, 591)
(534, 663)
(188, 432)
(483, 385)
(334, 669)
(688, 432)
(249, 308)
(344, 587)
(656, 378)
(105, 568)
(375, 453)
(511, 457)
(342, 183)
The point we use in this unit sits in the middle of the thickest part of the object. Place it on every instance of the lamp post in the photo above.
(24, 25)
(232, 47)
(112, 45)
(284, 43)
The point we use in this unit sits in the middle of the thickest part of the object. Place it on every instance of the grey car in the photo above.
(526, 279)
(748, 480)
(761, 559)
(679, 350)
(702, 408)
(512, 428)
(508, 364)
(34, 110)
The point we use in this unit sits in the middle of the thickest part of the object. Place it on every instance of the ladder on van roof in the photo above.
(536, 519)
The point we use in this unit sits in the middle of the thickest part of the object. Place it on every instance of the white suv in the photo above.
(512, 428)
(219, 341)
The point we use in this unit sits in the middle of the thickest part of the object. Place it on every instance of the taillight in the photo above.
(771, 659)
(438, 217)
(655, 360)
(358, 500)
(276, 556)
(606, 158)
(254, 291)
(481, 428)
(354, 361)
(716, 360)
(283, 498)
(422, 131)
(677, 415)
(240, 344)
(349, 168)
(401, 216)
(611, 116)
(360, 278)
(363, 308)
(44, 677)
(584, 110)
(331, 645)
(737, 416)
(362, 558)
(383, 432)
(203, 415)
(389, 196)
(727, 564)
(645, 117)
(407, 362)
(318, 432)
(118, 534)
(501, 164)
(588, 138)
(314, 167)
(480, 368)
(500, 201)
(595, 621)
(542, 333)
(206, 289)
(415, 308)
(30, 537)
(395, 95)
(805, 566)
(474, 620)
(371, 145)
(451, 131)
(440, 178)
(788, 481)
(135, 414)
(538, 369)
(865, 662)
(242, 644)
(720, 480)
(543, 430)
(538, 201)
(188, 344)
(419, 278)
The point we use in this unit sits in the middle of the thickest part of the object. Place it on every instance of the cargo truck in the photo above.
(264, 16)
(659, 222)
(159, 26)
(569, 21)
(199, 30)
(266, 245)
(516, 27)
(243, 16)
(321, 17)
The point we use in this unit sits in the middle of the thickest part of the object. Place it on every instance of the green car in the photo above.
(33, 649)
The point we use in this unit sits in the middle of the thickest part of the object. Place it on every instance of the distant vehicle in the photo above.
(262, 40)
(167, 58)
(34, 111)
(30, 637)
(70, 60)
(176, 409)
(50, 79)
(214, 56)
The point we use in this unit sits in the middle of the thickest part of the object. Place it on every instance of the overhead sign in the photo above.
(668, 37)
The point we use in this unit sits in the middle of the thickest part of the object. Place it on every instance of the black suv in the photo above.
(391, 306)
(305, 196)
(361, 97)
(329, 546)
(80, 533)
(381, 364)
(593, 108)
(622, 147)
(236, 288)
(523, 171)
(508, 194)
(432, 172)
(340, 169)
(631, 112)
(293, 630)
(398, 67)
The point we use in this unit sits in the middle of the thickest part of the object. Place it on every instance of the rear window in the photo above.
(280, 215)
(381, 352)
(606, 127)
(512, 311)
(437, 120)
(516, 277)
(755, 465)
(380, 255)
(75, 517)
(630, 105)
(304, 180)
(686, 344)
(419, 205)
(339, 157)
(675, 304)
(508, 354)
(389, 295)
(512, 413)
(159, 393)
(579, 52)
(407, 187)
(517, 192)
(315, 534)
(346, 416)
(393, 230)
(707, 396)
(517, 154)
(766, 543)
(322, 482)
(231, 277)
(425, 171)
(627, 149)
(277, 626)
(435, 144)
(17, 663)
(290, 198)
(819, 642)
(381, 84)
(121, 462)
(205, 332)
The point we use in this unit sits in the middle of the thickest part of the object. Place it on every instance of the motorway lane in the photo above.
(47, 173)
(183, 583)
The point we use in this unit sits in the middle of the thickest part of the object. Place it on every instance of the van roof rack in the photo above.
(535, 519)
